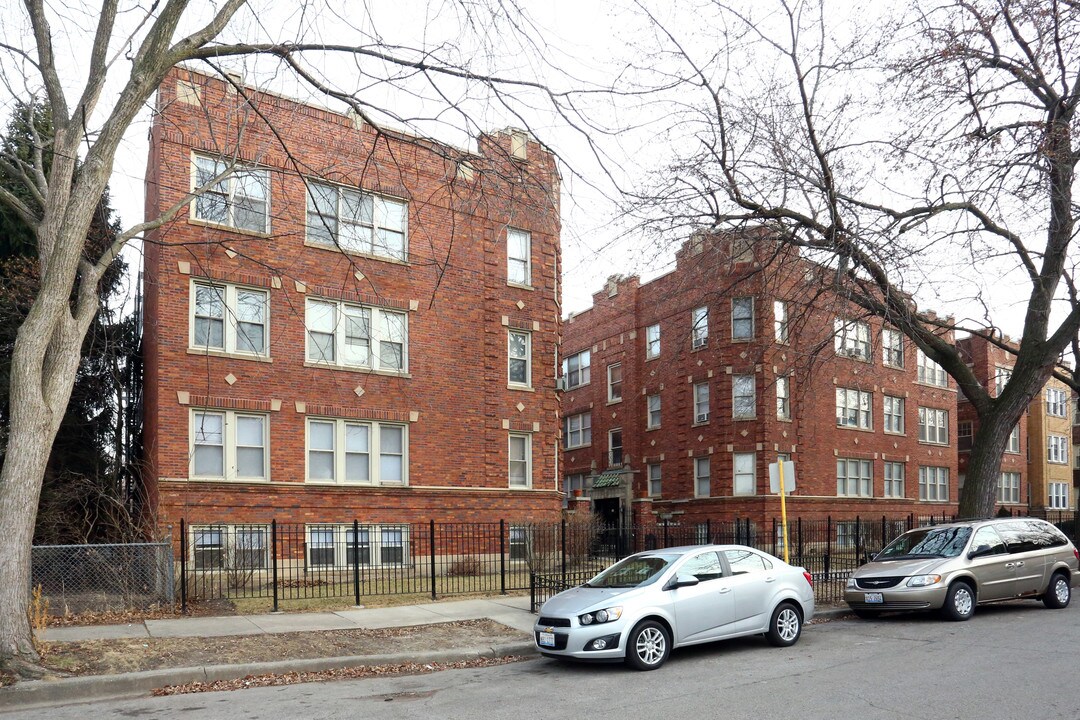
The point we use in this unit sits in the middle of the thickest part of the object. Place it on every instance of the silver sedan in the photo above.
(645, 605)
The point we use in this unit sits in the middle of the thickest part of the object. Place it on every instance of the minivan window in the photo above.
(1028, 535)
(927, 542)
(988, 542)
(634, 571)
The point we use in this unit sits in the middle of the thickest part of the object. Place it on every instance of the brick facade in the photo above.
(712, 273)
(453, 403)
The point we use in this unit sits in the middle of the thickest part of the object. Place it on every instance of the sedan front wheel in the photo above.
(648, 646)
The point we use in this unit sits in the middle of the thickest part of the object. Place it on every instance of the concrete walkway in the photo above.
(512, 611)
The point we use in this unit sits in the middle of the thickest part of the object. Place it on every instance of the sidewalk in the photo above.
(511, 611)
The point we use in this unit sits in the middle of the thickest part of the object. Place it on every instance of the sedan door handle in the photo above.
(770, 579)
(725, 590)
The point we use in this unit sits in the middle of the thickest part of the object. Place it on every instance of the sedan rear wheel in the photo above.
(785, 626)
(1059, 593)
(648, 646)
(959, 602)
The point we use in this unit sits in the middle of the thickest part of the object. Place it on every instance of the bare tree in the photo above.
(924, 155)
(136, 47)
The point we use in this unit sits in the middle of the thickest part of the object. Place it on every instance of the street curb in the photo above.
(31, 694)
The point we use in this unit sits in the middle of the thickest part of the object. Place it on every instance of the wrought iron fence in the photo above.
(84, 578)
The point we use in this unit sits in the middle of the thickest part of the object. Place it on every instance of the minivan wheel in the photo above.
(648, 645)
(959, 601)
(1058, 594)
(785, 627)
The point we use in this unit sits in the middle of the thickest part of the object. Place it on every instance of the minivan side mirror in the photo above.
(980, 551)
(681, 581)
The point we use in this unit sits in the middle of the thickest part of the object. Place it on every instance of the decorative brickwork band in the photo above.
(341, 411)
(215, 401)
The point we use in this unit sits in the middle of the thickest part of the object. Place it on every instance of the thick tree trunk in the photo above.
(979, 494)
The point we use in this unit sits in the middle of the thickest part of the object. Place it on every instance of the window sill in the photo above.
(518, 488)
(649, 358)
(231, 355)
(920, 383)
(743, 339)
(575, 387)
(577, 447)
(350, 253)
(520, 286)
(229, 228)
(363, 370)
(699, 348)
(523, 388)
(353, 485)
(784, 420)
(651, 428)
(614, 402)
(700, 424)
(745, 418)
(894, 433)
(891, 366)
(855, 429)
(933, 444)
(237, 480)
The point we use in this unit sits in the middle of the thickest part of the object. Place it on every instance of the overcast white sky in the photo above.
(586, 42)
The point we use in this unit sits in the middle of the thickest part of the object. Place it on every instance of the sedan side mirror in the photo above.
(681, 581)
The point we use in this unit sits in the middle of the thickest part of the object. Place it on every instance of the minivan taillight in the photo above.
(810, 578)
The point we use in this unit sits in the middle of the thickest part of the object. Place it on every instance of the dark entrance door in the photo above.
(613, 530)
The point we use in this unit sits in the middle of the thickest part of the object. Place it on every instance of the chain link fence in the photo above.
(103, 578)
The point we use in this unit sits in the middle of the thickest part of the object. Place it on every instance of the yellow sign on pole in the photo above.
(783, 508)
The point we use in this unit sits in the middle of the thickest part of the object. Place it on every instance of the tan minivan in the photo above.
(954, 567)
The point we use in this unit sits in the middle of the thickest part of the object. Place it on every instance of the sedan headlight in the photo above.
(601, 616)
(923, 580)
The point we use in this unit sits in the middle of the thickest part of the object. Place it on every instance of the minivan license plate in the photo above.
(547, 639)
(873, 598)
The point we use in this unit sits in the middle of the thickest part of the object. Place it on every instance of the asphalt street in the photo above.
(1011, 661)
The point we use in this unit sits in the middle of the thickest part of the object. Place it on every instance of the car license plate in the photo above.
(873, 598)
(547, 639)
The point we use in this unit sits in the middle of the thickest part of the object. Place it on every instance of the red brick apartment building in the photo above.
(680, 391)
(993, 366)
(354, 324)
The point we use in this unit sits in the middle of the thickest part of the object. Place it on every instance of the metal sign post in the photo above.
(781, 474)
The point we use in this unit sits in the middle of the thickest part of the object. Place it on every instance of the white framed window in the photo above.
(229, 547)
(655, 479)
(338, 547)
(360, 336)
(702, 477)
(928, 371)
(1058, 495)
(893, 414)
(744, 473)
(1002, 375)
(1013, 445)
(574, 482)
(229, 318)
(652, 419)
(241, 200)
(652, 342)
(701, 403)
(576, 369)
(519, 358)
(578, 430)
(520, 469)
(894, 480)
(1076, 411)
(933, 484)
(518, 257)
(933, 426)
(228, 445)
(854, 478)
(742, 318)
(783, 397)
(851, 338)
(614, 443)
(700, 327)
(780, 321)
(892, 347)
(356, 452)
(614, 382)
(1057, 404)
(1008, 489)
(1076, 463)
(743, 397)
(1057, 449)
(356, 221)
(853, 408)
(964, 435)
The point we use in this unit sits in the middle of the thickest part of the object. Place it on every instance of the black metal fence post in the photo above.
(274, 561)
(708, 530)
(183, 567)
(665, 532)
(502, 557)
(431, 529)
(858, 540)
(828, 544)
(562, 544)
(356, 560)
(800, 541)
(774, 537)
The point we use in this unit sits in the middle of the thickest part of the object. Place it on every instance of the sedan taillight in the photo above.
(809, 578)
(1077, 554)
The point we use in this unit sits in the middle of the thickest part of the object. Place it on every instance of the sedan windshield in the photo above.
(633, 571)
(927, 542)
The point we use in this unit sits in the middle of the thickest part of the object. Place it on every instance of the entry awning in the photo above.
(611, 478)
